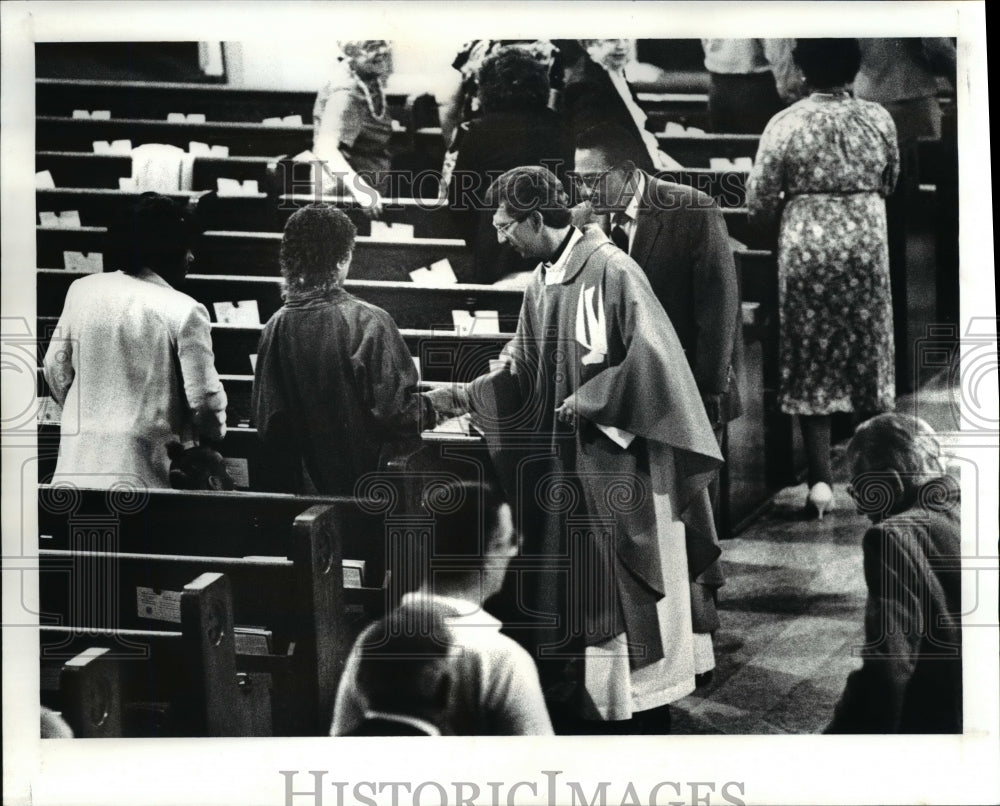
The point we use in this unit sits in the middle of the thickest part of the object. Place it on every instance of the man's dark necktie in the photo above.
(618, 236)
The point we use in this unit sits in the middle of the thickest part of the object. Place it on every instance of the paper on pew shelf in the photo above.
(44, 180)
(673, 128)
(68, 219)
(233, 187)
(391, 232)
(288, 120)
(116, 147)
(126, 183)
(205, 150)
(242, 312)
(180, 117)
(97, 114)
(743, 163)
(78, 261)
(694, 130)
(238, 470)
(486, 323)
(253, 362)
(439, 273)
(720, 164)
(158, 605)
(463, 322)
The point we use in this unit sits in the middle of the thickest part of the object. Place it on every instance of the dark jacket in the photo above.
(334, 390)
(594, 101)
(911, 677)
(488, 146)
(682, 245)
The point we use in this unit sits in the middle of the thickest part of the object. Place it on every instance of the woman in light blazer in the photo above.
(131, 362)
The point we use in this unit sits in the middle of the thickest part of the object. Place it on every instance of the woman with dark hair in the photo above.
(132, 363)
(824, 168)
(335, 387)
(516, 128)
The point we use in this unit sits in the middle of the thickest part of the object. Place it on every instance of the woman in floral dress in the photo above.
(825, 166)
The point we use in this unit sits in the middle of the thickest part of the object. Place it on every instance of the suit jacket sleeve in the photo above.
(716, 301)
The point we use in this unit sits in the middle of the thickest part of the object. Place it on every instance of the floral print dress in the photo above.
(825, 165)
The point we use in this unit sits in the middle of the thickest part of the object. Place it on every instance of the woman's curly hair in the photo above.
(316, 239)
(512, 79)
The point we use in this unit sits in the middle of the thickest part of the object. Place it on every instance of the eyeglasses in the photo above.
(591, 180)
(507, 227)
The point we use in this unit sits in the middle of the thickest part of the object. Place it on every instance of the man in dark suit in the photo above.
(678, 236)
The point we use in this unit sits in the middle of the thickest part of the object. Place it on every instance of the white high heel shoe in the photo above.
(820, 498)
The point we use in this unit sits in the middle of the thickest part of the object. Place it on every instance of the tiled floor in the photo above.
(792, 610)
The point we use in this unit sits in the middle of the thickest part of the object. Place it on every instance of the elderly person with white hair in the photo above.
(351, 122)
(910, 680)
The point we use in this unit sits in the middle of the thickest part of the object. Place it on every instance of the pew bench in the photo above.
(173, 677)
(282, 558)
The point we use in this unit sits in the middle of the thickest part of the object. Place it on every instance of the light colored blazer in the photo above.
(132, 366)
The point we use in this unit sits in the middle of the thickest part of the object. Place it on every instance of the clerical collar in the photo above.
(553, 269)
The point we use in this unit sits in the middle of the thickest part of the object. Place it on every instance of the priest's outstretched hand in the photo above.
(451, 400)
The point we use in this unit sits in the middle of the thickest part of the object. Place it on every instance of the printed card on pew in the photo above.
(233, 187)
(97, 114)
(180, 117)
(439, 273)
(93, 263)
(354, 573)
(116, 147)
(384, 231)
(205, 150)
(252, 640)
(239, 471)
(68, 219)
(158, 605)
(243, 312)
(44, 180)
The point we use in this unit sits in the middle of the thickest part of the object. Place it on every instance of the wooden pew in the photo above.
(256, 253)
(695, 151)
(281, 556)
(152, 100)
(242, 139)
(685, 108)
(86, 691)
(79, 170)
(179, 680)
(411, 306)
